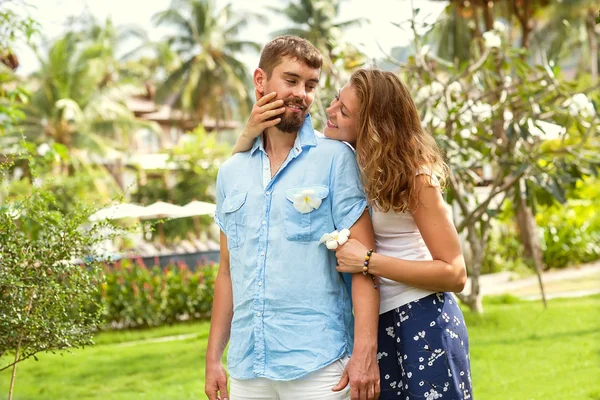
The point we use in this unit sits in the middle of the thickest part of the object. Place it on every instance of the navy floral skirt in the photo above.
(423, 351)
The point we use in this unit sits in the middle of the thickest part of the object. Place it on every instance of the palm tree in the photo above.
(317, 22)
(211, 79)
(72, 105)
(451, 34)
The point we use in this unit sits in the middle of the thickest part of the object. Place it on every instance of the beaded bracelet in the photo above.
(365, 270)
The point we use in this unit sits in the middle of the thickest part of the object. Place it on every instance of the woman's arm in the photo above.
(260, 119)
(362, 371)
(446, 272)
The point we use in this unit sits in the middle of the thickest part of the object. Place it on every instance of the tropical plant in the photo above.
(511, 131)
(197, 158)
(569, 33)
(13, 95)
(109, 43)
(317, 22)
(133, 295)
(45, 288)
(72, 106)
(480, 24)
(555, 29)
(211, 80)
(466, 21)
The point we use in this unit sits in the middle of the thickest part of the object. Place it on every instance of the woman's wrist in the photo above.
(248, 135)
(373, 263)
(365, 268)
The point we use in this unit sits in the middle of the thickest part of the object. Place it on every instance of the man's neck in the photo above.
(278, 143)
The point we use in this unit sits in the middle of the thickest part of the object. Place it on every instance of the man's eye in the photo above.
(291, 81)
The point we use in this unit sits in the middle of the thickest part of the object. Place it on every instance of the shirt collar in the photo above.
(305, 137)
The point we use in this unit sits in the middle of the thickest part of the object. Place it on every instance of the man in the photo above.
(278, 298)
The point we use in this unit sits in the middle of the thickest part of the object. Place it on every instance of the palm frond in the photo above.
(291, 31)
(172, 84)
(175, 19)
(237, 46)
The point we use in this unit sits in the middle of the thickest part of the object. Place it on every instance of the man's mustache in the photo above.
(295, 102)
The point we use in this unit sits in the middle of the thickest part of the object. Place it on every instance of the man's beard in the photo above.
(293, 122)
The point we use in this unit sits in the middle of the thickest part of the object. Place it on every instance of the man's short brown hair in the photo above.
(289, 46)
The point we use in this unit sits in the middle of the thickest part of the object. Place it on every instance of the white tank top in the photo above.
(397, 235)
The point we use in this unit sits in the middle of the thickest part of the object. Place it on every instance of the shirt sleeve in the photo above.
(348, 196)
(219, 220)
(427, 171)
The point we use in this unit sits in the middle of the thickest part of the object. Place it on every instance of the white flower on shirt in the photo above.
(306, 201)
(334, 239)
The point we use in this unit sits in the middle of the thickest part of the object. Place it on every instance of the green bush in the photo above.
(47, 297)
(134, 295)
(569, 233)
(504, 250)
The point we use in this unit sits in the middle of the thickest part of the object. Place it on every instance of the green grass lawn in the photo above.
(518, 351)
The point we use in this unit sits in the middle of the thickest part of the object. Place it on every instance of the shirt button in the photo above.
(262, 253)
(258, 314)
(268, 193)
(266, 167)
(259, 283)
(264, 222)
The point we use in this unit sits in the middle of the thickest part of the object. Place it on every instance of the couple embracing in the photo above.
(337, 266)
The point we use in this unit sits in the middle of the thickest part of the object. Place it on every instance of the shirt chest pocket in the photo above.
(234, 214)
(307, 213)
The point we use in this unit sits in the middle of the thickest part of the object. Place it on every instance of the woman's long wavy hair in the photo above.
(392, 147)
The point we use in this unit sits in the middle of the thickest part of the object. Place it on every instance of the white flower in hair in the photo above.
(334, 239)
(306, 201)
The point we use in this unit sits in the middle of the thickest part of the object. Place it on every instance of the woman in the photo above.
(423, 349)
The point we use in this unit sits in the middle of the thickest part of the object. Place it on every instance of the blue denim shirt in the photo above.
(292, 312)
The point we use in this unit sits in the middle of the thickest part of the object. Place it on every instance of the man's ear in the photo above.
(260, 78)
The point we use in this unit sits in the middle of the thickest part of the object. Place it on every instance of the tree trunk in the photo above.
(593, 43)
(118, 166)
(522, 9)
(531, 242)
(18, 351)
(477, 246)
(488, 16)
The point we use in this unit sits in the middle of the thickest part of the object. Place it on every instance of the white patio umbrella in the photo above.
(119, 211)
(160, 210)
(196, 208)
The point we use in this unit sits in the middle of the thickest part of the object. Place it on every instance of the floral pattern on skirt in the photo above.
(423, 351)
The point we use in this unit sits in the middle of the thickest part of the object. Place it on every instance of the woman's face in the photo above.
(343, 116)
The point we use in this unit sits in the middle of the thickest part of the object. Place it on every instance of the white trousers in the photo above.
(315, 386)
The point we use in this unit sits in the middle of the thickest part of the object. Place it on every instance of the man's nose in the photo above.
(300, 92)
